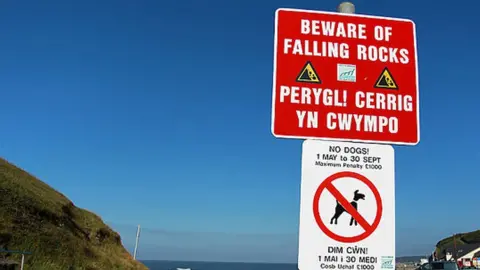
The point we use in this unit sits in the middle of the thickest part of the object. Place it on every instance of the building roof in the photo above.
(462, 250)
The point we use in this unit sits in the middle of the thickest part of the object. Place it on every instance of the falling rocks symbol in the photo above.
(308, 74)
(386, 80)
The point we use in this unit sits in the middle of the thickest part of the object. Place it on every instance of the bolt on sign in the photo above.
(347, 206)
(345, 77)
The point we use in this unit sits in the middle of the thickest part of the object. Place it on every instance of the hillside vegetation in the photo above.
(460, 239)
(36, 218)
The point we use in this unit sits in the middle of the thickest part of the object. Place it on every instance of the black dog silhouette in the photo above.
(339, 208)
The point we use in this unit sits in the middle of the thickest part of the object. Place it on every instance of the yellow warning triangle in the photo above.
(386, 80)
(308, 74)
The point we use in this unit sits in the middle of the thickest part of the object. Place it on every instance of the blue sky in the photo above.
(158, 113)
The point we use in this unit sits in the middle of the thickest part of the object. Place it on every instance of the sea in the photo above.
(173, 265)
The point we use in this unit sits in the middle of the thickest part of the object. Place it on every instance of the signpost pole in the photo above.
(136, 243)
(346, 7)
(23, 261)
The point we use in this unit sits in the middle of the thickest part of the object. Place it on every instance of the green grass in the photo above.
(36, 218)
(460, 239)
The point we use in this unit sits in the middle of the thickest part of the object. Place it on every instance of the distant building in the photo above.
(463, 253)
(476, 260)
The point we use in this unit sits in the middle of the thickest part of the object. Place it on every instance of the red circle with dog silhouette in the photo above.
(327, 185)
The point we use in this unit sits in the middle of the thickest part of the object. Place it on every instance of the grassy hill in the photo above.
(460, 239)
(36, 218)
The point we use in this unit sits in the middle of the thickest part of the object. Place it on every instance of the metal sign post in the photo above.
(23, 261)
(346, 7)
(136, 243)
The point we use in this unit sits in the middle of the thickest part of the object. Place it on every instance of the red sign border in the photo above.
(316, 210)
(274, 86)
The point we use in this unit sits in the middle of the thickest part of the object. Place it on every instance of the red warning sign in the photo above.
(345, 77)
(327, 186)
